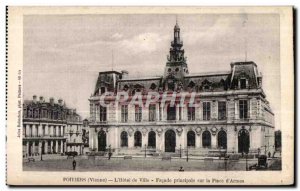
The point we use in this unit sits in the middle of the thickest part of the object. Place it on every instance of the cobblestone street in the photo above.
(137, 164)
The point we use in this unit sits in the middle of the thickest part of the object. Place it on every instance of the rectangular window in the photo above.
(243, 83)
(243, 106)
(103, 112)
(221, 110)
(191, 113)
(206, 111)
(152, 112)
(44, 130)
(102, 90)
(180, 111)
(124, 113)
(138, 113)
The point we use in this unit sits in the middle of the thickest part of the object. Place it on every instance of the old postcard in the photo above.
(150, 96)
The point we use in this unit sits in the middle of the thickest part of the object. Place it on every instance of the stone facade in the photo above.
(48, 127)
(232, 113)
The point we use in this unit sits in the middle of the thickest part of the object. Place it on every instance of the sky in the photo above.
(63, 54)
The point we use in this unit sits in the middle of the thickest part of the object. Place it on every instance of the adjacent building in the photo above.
(233, 113)
(50, 128)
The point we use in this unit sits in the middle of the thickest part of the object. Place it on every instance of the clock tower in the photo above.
(176, 66)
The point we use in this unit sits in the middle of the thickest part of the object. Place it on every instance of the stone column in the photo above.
(27, 148)
(57, 130)
(40, 147)
(197, 140)
(177, 112)
(236, 110)
(46, 130)
(40, 130)
(236, 149)
(162, 142)
(33, 130)
(157, 112)
(51, 128)
(183, 138)
(54, 130)
(131, 141)
(62, 130)
(144, 139)
(27, 130)
(200, 139)
(46, 147)
(24, 131)
(33, 148)
(56, 146)
(51, 147)
(37, 130)
(163, 118)
(91, 141)
(117, 137)
(61, 146)
(213, 141)
(184, 112)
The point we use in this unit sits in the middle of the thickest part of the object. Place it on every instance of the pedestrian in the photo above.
(109, 152)
(181, 169)
(74, 164)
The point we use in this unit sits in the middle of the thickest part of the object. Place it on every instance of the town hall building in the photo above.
(232, 115)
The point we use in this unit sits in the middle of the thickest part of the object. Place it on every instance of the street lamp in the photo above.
(145, 150)
(180, 150)
(246, 161)
(187, 154)
(42, 152)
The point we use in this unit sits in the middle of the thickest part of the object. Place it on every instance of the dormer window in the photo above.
(125, 88)
(243, 83)
(191, 84)
(206, 87)
(102, 90)
(153, 86)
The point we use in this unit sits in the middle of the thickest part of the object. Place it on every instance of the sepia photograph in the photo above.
(154, 92)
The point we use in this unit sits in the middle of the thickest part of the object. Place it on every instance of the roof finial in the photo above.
(177, 26)
(112, 60)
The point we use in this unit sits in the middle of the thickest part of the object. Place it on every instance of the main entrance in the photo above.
(243, 141)
(170, 141)
(101, 141)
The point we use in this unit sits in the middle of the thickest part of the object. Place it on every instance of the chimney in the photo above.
(51, 100)
(34, 98)
(124, 74)
(41, 99)
(60, 102)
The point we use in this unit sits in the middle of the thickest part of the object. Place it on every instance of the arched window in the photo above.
(152, 139)
(137, 139)
(191, 139)
(124, 139)
(222, 139)
(206, 139)
(243, 141)
(101, 141)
